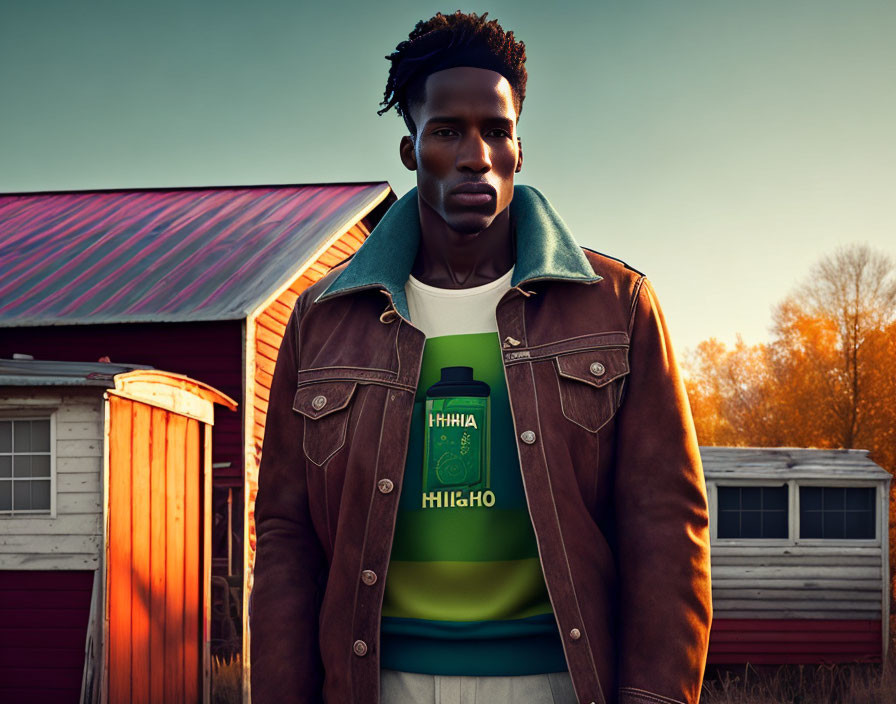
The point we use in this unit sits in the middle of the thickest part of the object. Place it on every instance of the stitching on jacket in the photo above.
(649, 696)
(636, 294)
(570, 581)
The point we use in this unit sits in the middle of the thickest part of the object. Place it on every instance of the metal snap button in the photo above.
(385, 486)
(318, 402)
(527, 436)
(368, 577)
(360, 648)
(597, 369)
(575, 634)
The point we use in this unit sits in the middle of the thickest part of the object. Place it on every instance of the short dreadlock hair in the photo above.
(446, 41)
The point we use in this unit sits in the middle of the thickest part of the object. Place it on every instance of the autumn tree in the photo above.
(826, 378)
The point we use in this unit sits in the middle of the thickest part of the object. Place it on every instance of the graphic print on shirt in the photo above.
(456, 442)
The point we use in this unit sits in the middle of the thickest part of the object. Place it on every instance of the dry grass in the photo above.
(226, 674)
(801, 684)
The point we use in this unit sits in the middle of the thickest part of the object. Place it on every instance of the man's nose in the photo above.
(474, 155)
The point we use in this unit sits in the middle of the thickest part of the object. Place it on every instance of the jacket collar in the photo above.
(545, 249)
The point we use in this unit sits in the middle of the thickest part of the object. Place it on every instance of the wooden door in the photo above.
(154, 567)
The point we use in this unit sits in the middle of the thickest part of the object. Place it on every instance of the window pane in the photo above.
(40, 465)
(729, 498)
(21, 496)
(40, 435)
(860, 498)
(5, 496)
(5, 436)
(810, 524)
(5, 466)
(860, 525)
(774, 497)
(40, 495)
(21, 431)
(750, 524)
(729, 524)
(833, 524)
(833, 497)
(810, 497)
(774, 524)
(751, 497)
(21, 465)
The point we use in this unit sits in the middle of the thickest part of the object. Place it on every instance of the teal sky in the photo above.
(721, 147)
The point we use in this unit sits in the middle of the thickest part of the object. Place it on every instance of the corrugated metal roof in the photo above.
(39, 372)
(163, 255)
(782, 463)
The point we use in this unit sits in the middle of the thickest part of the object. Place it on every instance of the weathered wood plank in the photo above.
(31, 561)
(817, 572)
(718, 551)
(817, 597)
(192, 576)
(119, 573)
(79, 448)
(818, 584)
(78, 482)
(140, 566)
(78, 465)
(78, 524)
(79, 430)
(78, 503)
(49, 544)
(157, 538)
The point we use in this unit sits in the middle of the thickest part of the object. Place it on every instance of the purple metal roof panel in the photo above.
(163, 255)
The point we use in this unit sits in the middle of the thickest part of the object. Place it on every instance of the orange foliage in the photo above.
(826, 379)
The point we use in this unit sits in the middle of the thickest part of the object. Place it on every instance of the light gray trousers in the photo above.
(411, 688)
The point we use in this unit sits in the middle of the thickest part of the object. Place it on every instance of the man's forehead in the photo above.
(468, 84)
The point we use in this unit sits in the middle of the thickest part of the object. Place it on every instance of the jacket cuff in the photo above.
(633, 695)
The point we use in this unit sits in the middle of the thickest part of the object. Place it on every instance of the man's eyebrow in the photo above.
(450, 120)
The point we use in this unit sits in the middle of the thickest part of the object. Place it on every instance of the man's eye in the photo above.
(443, 132)
(497, 132)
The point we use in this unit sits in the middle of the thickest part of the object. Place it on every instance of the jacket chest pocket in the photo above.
(590, 384)
(326, 406)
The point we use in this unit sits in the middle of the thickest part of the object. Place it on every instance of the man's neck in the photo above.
(449, 259)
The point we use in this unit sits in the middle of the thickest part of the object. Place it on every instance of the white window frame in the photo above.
(35, 414)
(793, 512)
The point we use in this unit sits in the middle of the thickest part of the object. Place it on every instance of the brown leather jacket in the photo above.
(607, 449)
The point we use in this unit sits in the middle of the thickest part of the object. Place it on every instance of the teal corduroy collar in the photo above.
(545, 249)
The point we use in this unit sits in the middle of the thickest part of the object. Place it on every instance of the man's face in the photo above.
(465, 152)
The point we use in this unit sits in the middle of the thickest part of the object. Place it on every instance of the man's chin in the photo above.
(469, 226)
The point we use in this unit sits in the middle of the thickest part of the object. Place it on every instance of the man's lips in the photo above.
(475, 193)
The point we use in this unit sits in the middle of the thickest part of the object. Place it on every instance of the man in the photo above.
(480, 480)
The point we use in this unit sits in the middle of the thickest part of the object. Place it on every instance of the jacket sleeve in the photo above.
(662, 523)
(289, 565)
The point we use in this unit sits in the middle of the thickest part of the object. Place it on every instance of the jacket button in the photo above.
(385, 486)
(360, 648)
(527, 436)
(368, 577)
(575, 634)
(597, 369)
(318, 402)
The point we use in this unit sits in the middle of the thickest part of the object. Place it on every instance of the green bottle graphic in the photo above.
(456, 432)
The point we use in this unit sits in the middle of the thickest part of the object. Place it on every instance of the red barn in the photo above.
(196, 281)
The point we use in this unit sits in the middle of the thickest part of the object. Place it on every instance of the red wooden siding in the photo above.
(43, 629)
(775, 642)
(153, 556)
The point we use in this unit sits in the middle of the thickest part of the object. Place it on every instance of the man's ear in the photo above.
(519, 156)
(407, 153)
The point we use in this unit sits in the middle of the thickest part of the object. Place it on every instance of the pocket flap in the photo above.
(595, 367)
(318, 400)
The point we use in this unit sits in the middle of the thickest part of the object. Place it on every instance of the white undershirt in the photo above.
(455, 311)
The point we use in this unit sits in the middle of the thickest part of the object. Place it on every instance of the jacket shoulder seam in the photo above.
(636, 294)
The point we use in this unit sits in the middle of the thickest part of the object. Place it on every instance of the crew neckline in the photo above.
(503, 280)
